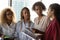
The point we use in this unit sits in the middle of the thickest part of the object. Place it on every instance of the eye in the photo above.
(25, 12)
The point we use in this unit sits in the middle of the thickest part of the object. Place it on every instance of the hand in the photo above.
(33, 30)
(1, 35)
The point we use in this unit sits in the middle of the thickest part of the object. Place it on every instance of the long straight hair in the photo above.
(56, 8)
(22, 17)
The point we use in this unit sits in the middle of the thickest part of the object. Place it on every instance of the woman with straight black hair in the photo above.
(53, 30)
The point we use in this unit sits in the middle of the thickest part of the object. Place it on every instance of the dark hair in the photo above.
(56, 8)
(40, 4)
(22, 13)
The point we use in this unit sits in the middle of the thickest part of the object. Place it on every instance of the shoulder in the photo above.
(44, 16)
(31, 22)
(18, 22)
(13, 24)
(0, 26)
(35, 19)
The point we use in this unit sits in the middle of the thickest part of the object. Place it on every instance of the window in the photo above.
(19, 4)
(3, 4)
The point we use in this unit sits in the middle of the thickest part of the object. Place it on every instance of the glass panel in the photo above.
(19, 4)
(3, 4)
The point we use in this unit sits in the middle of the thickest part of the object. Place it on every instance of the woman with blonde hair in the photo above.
(25, 23)
(7, 22)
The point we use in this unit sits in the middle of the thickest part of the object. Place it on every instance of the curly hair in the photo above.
(3, 15)
(40, 4)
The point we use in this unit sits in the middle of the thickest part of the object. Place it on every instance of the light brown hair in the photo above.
(22, 18)
(3, 15)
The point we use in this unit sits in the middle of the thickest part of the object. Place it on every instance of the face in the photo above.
(50, 12)
(25, 14)
(38, 10)
(9, 15)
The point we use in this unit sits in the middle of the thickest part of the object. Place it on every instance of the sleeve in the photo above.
(1, 31)
(50, 32)
(32, 24)
(47, 21)
(47, 33)
(16, 32)
(45, 24)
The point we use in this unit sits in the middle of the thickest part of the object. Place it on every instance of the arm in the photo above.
(16, 32)
(38, 31)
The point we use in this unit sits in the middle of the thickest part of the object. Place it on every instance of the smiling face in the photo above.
(38, 10)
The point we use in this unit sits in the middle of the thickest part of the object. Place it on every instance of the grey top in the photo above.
(20, 28)
(8, 30)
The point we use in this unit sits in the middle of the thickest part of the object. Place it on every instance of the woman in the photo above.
(1, 34)
(25, 23)
(7, 22)
(53, 30)
(41, 21)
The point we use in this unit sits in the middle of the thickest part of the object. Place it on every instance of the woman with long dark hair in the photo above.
(53, 30)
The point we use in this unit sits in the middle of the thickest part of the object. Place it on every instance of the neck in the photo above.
(40, 17)
(25, 20)
(9, 22)
(52, 17)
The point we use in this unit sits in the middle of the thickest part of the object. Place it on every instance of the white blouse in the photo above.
(8, 30)
(42, 23)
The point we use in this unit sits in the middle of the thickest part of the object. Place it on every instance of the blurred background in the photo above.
(17, 5)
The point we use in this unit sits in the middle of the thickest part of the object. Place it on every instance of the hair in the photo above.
(40, 4)
(56, 8)
(3, 15)
(22, 18)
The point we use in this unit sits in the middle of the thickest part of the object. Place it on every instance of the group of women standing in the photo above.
(49, 29)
